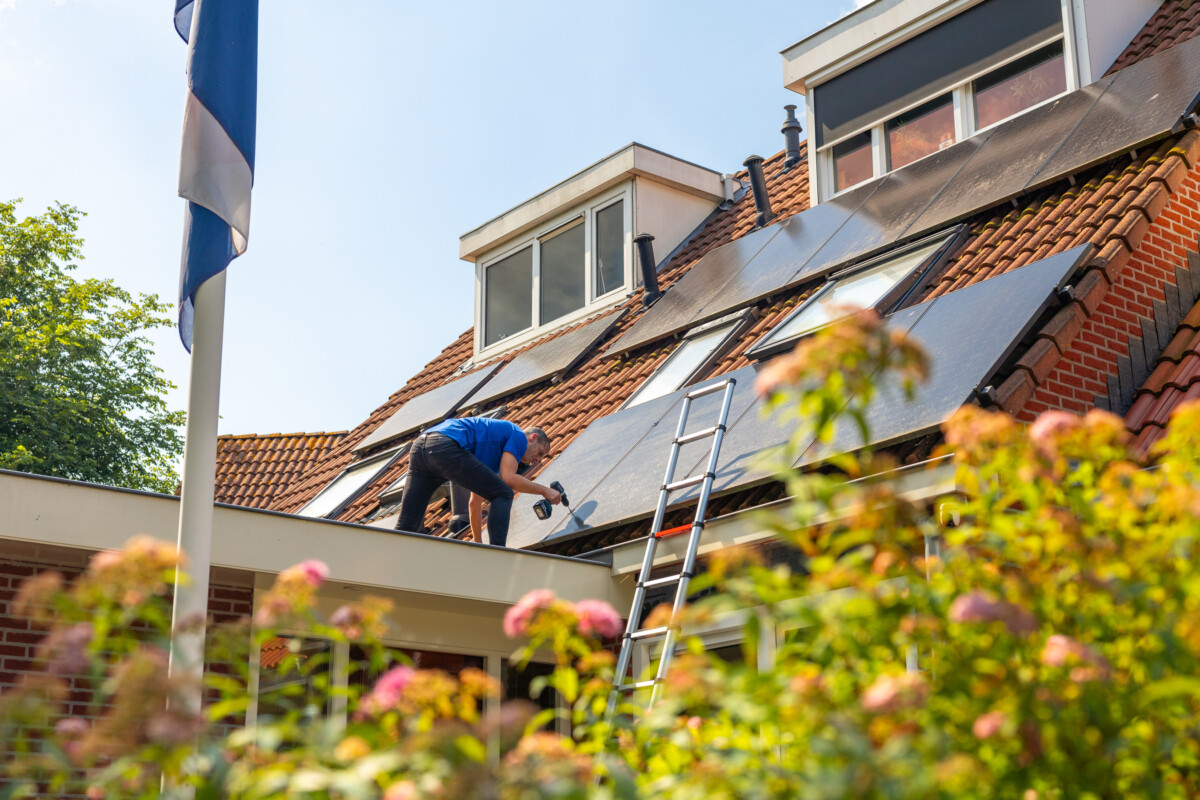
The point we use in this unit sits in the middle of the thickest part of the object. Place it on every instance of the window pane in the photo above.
(852, 161)
(690, 354)
(1019, 85)
(508, 306)
(863, 290)
(917, 133)
(343, 488)
(293, 674)
(610, 248)
(562, 273)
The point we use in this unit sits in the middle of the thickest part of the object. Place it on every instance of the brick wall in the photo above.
(231, 597)
(1085, 373)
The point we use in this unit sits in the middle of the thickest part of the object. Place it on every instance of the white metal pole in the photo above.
(199, 478)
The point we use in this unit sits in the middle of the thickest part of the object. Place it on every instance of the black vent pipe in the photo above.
(758, 183)
(645, 248)
(791, 135)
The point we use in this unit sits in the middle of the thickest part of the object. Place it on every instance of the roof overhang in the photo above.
(920, 483)
(858, 36)
(91, 517)
(632, 161)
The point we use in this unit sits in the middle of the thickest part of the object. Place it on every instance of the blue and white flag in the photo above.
(216, 167)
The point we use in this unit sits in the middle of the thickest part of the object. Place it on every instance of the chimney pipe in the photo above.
(791, 135)
(758, 184)
(645, 249)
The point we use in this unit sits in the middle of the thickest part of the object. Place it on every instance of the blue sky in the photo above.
(385, 131)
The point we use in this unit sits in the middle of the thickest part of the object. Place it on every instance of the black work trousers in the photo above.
(435, 459)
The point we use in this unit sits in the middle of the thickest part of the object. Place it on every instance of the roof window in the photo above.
(334, 498)
(701, 346)
(560, 273)
(881, 284)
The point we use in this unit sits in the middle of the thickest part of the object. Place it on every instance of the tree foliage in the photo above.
(80, 396)
(1036, 637)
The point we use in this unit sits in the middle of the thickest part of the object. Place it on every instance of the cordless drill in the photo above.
(542, 507)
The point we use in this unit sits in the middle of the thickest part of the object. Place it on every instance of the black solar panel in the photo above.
(1143, 103)
(680, 307)
(551, 359)
(432, 406)
(968, 334)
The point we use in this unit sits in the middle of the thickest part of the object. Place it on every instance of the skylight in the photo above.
(347, 485)
(699, 348)
(878, 285)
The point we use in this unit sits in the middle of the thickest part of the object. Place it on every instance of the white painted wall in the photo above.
(1104, 28)
(667, 213)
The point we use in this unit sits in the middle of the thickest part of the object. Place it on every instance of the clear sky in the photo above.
(386, 129)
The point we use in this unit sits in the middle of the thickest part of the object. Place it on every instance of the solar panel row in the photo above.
(614, 469)
(1137, 105)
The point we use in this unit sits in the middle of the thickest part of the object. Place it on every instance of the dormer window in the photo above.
(563, 271)
(939, 86)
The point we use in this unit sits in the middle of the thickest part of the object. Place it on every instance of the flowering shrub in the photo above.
(1035, 636)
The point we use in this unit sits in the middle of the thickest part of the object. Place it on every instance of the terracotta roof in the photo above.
(1176, 378)
(1110, 205)
(1175, 21)
(253, 470)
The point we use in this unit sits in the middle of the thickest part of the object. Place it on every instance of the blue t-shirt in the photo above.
(485, 438)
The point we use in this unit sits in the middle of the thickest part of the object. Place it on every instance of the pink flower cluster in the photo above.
(1061, 651)
(983, 607)
(895, 692)
(388, 691)
(592, 618)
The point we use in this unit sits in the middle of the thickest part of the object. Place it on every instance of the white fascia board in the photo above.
(632, 161)
(749, 526)
(860, 35)
(92, 517)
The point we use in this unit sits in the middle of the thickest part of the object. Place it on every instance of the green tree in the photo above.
(80, 396)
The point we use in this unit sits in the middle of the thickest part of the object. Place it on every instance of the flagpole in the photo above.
(199, 481)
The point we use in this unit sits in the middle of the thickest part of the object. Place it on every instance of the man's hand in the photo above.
(554, 497)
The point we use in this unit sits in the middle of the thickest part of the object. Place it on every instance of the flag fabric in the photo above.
(216, 165)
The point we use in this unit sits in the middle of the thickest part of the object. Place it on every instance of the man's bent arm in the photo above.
(519, 483)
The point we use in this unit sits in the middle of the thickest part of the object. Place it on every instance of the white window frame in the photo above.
(593, 302)
(963, 102)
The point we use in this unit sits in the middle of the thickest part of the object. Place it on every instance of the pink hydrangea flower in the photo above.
(981, 607)
(1060, 651)
(1050, 427)
(388, 690)
(989, 724)
(895, 692)
(517, 619)
(401, 790)
(315, 572)
(598, 618)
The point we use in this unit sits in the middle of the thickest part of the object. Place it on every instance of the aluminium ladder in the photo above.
(667, 634)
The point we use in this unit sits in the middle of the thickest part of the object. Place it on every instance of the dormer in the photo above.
(897, 80)
(568, 252)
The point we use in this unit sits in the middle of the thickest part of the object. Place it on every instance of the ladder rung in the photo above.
(710, 389)
(633, 687)
(704, 434)
(649, 633)
(668, 580)
(686, 482)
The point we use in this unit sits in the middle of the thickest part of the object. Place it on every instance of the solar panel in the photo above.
(680, 307)
(584, 463)
(948, 329)
(632, 486)
(432, 406)
(1145, 101)
(550, 359)
(1009, 158)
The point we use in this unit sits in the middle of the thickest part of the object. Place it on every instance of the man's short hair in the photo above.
(539, 436)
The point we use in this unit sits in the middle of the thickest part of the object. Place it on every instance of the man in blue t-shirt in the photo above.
(480, 454)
